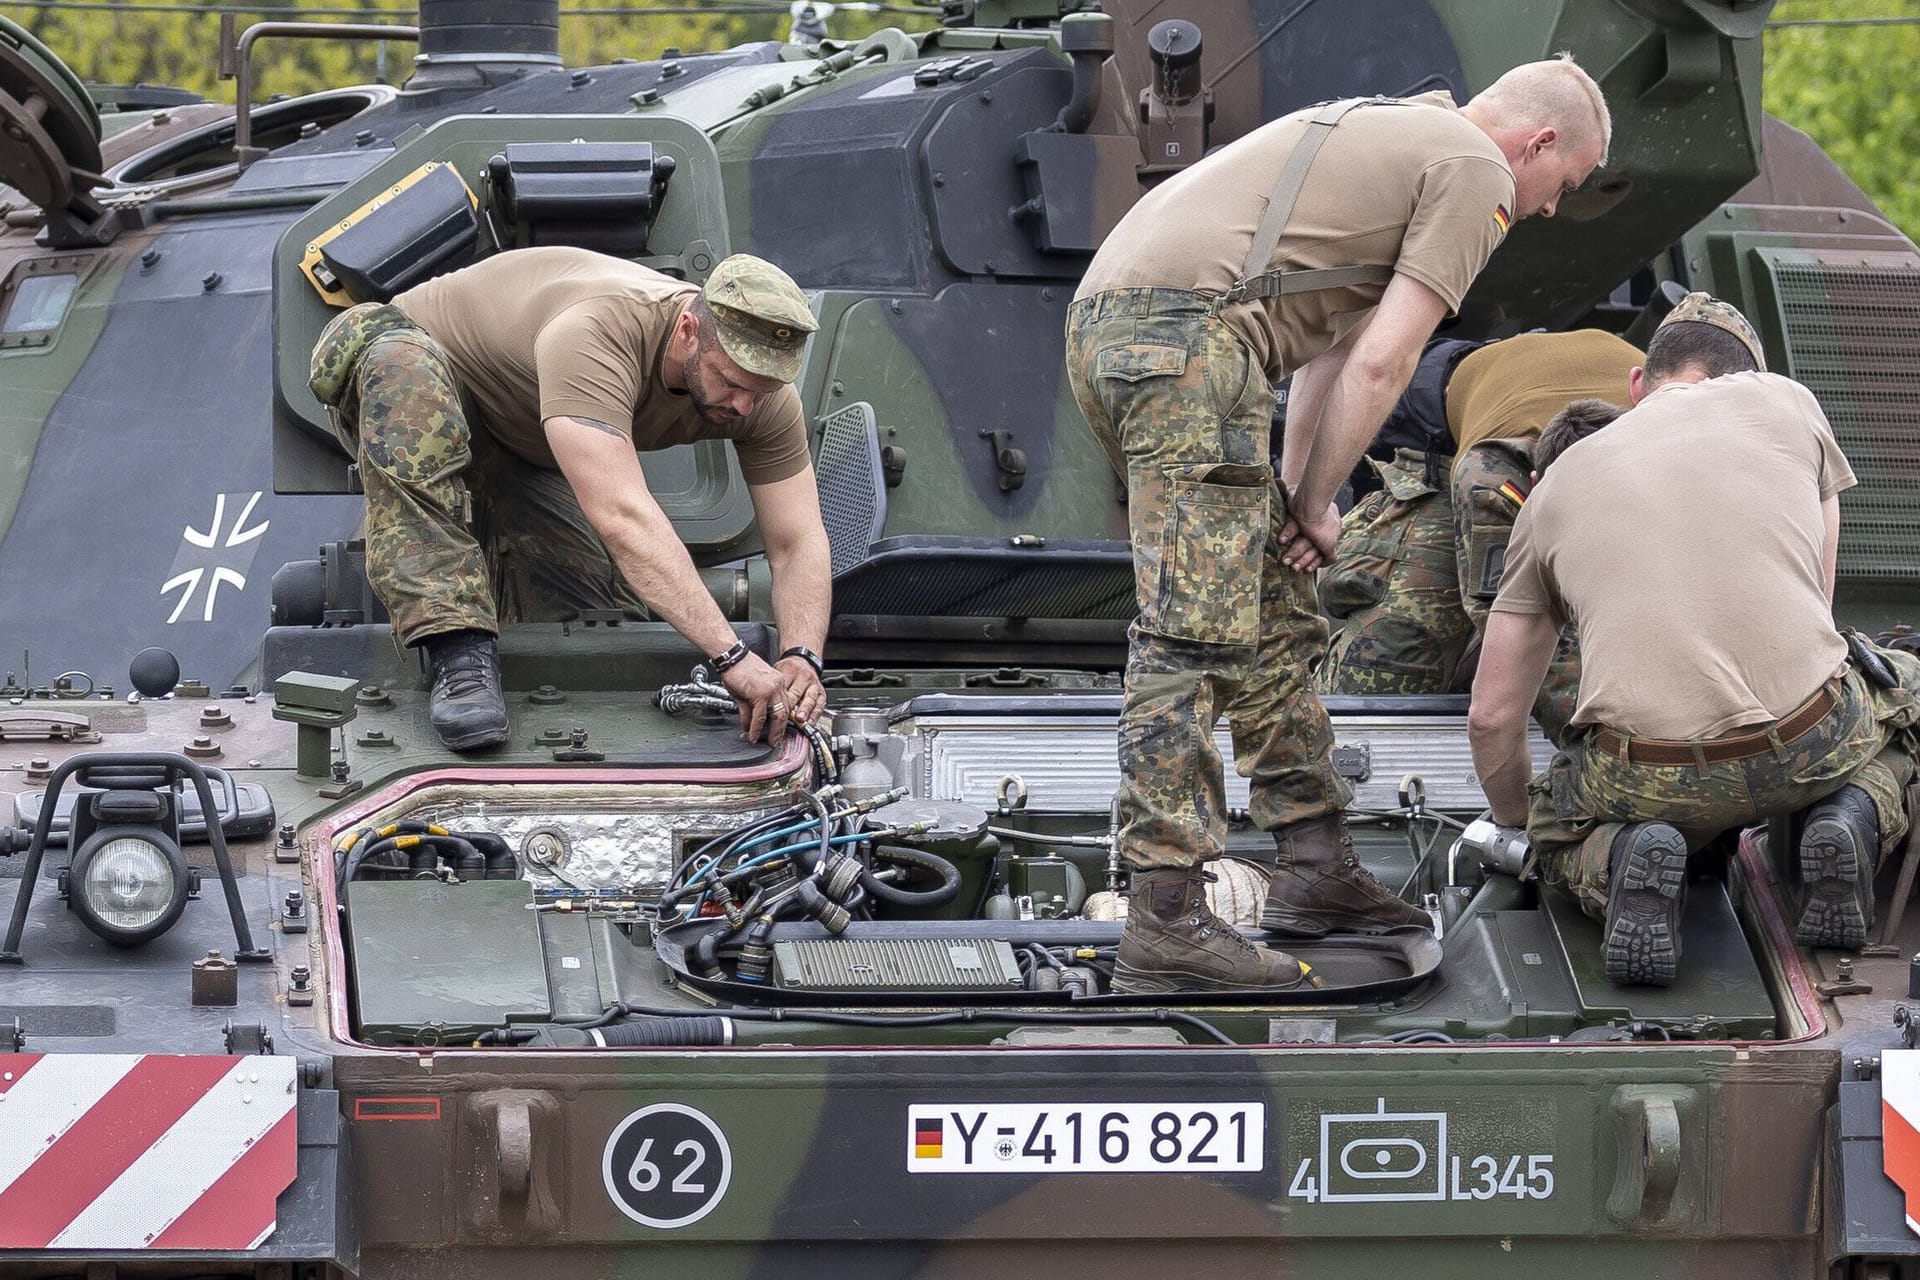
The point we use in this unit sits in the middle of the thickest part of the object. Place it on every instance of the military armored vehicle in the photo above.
(288, 991)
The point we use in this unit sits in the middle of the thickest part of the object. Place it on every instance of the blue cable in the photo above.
(714, 860)
(761, 859)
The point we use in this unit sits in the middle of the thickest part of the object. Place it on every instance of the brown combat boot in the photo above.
(1319, 886)
(1174, 942)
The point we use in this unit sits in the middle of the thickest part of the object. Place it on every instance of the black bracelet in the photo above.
(808, 656)
(731, 657)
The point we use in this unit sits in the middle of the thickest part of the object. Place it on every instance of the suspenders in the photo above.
(1256, 281)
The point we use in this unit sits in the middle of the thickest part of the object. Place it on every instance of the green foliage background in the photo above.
(148, 43)
(1853, 88)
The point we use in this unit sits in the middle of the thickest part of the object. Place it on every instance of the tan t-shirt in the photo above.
(551, 332)
(1684, 541)
(1509, 390)
(1414, 186)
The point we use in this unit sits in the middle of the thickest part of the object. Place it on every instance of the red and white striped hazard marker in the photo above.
(143, 1151)
(1900, 1125)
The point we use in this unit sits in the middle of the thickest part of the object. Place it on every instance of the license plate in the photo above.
(1117, 1137)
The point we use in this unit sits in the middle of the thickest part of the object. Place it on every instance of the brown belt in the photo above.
(1742, 746)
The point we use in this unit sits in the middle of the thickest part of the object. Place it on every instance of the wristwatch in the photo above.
(808, 656)
(731, 657)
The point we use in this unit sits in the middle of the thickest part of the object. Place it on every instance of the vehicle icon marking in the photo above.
(1381, 1155)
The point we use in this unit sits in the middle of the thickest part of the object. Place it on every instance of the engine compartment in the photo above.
(861, 896)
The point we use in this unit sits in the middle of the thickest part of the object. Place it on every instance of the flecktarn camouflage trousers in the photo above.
(460, 532)
(1587, 795)
(1225, 628)
(1395, 589)
(1418, 568)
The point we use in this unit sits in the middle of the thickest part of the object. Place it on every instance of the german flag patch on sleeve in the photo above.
(1501, 218)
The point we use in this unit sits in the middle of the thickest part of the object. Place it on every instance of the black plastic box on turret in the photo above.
(593, 195)
(425, 228)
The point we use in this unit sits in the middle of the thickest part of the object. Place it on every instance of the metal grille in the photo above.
(1070, 765)
(1851, 340)
(853, 501)
(895, 964)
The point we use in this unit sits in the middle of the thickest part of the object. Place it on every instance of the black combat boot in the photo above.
(1645, 896)
(1838, 849)
(469, 711)
(1319, 886)
(1174, 942)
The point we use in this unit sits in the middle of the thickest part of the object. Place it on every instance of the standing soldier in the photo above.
(498, 414)
(1326, 244)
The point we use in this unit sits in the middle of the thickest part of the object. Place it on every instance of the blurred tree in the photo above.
(1850, 87)
(162, 46)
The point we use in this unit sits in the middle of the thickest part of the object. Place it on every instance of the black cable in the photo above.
(1042, 953)
(1090, 1017)
(826, 831)
(947, 890)
(823, 758)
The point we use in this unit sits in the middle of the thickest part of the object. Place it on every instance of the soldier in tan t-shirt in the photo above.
(1420, 560)
(498, 414)
(1325, 245)
(1692, 545)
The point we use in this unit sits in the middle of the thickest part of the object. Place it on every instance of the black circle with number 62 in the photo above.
(667, 1165)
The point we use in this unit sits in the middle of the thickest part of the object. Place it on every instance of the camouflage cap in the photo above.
(1704, 308)
(761, 316)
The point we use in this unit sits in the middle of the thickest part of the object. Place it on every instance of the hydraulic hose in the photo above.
(946, 891)
(661, 1032)
(421, 844)
(665, 1031)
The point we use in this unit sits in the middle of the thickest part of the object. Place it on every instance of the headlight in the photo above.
(128, 884)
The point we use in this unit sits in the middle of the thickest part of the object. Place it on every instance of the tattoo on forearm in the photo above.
(601, 426)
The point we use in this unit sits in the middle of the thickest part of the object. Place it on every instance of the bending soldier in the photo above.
(1420, 560)
(1715, 690)
(1327, 244)
(498, 414)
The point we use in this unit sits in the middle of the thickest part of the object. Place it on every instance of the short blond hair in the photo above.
(1553, 92)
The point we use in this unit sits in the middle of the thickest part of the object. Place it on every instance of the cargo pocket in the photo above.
(1562, 784)
(1215, 536)
(1357, 578)
(1485, 555)
(1136, 361)
(413, 426)
(1483, 518)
